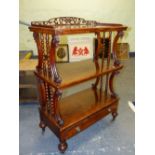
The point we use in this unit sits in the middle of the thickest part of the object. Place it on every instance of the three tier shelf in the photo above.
(70, 115)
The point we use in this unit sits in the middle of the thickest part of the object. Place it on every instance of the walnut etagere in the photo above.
(70, 115)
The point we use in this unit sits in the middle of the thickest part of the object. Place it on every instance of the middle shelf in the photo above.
(77, 72)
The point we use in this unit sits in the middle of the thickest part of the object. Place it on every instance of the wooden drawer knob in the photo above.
(78, 129)
(109, 109)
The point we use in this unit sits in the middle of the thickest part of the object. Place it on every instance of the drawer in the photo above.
(85, 123)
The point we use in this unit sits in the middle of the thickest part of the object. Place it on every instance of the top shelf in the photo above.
(73, 25)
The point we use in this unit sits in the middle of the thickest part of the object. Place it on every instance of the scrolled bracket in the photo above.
(119, 35)
(57, 96)
(40, 53)
(56, 40)
(57, 78)
(116, 62)
(35, 36)
(54, 44)
(111, 87)
(96, 55)
(42, 95)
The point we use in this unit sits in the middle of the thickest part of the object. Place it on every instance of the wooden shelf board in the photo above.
(78, 79)
(77, 72)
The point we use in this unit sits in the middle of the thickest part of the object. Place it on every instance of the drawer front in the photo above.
(83, 124)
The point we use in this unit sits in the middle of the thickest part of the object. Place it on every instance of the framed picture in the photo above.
(122, 51)
(62, 53)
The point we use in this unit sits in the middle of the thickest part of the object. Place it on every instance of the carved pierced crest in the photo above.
(64, 21)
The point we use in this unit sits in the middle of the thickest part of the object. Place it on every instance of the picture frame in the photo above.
(122, 51)
(62, 53)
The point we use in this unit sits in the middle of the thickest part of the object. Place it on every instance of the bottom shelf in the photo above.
(81, 110)
(83, 104)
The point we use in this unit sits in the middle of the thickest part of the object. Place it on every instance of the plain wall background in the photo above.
(116, 11)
